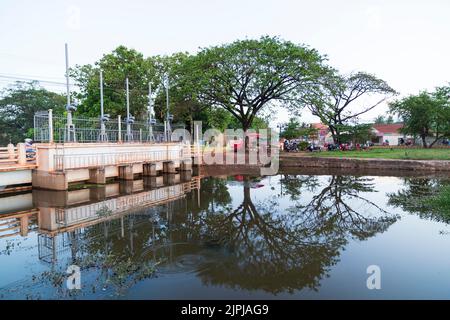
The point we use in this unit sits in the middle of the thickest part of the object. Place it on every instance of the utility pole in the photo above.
(169, 117)
(103, 117)
(151, 121)
(70, 127)
(130, 118)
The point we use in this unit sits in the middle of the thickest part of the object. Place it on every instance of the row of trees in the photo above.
(235, 85)
(17, 107)
(355, 133)
(425, 115)
(294, 129)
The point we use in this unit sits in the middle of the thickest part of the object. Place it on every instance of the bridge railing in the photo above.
(18, 223)
(17, 155)
(111, 207)
(49, 127)
(79, 161)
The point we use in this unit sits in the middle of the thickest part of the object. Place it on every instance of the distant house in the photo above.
(388, 132)
(381, 133)
(323, 133)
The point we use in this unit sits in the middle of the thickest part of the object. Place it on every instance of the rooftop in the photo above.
(388, 128)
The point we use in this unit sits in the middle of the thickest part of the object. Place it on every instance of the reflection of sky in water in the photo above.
(414, 257)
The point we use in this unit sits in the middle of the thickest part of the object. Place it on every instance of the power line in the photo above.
(29, 58)
(37, 80)
(12, 79)
(32, 76)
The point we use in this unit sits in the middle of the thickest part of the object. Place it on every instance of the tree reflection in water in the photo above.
(284, 250)
(282, 243)
(414, 198)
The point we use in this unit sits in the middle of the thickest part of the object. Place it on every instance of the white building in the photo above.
(388, 133)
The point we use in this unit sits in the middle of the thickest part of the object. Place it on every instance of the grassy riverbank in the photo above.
(389, 153)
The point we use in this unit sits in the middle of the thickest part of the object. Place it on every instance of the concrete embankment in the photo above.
(288, 161)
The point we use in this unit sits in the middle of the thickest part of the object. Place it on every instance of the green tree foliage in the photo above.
(291, 130)
(359, 133)
(425, 115)
(182, 103)
(117, 66)
(17, 107)
(122, 63)
(384, 120)
(247, 76)
(333, 99)
(294, 129)
(427, 197)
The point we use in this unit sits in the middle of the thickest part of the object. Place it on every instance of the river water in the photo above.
(294, 235)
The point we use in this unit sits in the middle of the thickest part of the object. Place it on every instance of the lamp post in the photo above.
(70, 127)
(103, 117)
(130, 118)
(169, 117)
(151, 120)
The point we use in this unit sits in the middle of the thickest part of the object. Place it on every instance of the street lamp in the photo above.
(169, 117)
(130, 118)
(70, 107)
(103, 117)
(151, 120)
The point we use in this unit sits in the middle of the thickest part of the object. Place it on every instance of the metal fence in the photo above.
(48, 126)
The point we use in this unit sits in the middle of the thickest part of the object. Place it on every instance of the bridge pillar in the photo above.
(171, 179)
(97, 194)
(149, 169)
(126, 172)
(153, 182)
(186, 175)
(49, 180)
(169, 167)
(97, 176)
(126, 187)
(186, 165)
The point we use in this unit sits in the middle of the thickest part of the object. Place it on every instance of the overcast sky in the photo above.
(403, 42)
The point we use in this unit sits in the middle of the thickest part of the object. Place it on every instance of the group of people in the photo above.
(293, 145)
(403, 142)
(347, 146)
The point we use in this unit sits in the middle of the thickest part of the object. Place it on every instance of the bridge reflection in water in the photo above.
(61, 218)
(234, 235)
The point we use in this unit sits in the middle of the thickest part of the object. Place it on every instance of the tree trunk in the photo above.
(337, 137)
(247, 143)
(333, 134)
(424, 140)
(435, 140)
(245, 127)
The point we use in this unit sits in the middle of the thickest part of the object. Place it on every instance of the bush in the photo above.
(302, 145)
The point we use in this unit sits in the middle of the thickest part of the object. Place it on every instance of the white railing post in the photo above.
(21, 154)
(119, 138)
(11, 153)
(50, 126)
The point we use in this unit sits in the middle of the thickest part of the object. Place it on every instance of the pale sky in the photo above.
(403, 42)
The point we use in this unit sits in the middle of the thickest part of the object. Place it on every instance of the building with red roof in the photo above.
(389, 133)
(323, 132)
(383, 133)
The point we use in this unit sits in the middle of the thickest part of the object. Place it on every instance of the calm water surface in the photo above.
(294, 236)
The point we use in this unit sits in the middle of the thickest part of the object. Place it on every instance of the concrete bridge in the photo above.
(55, 166)
(54, 212)
(15, 167)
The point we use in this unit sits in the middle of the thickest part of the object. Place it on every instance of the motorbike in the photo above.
(291, 146)
(313, 147)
